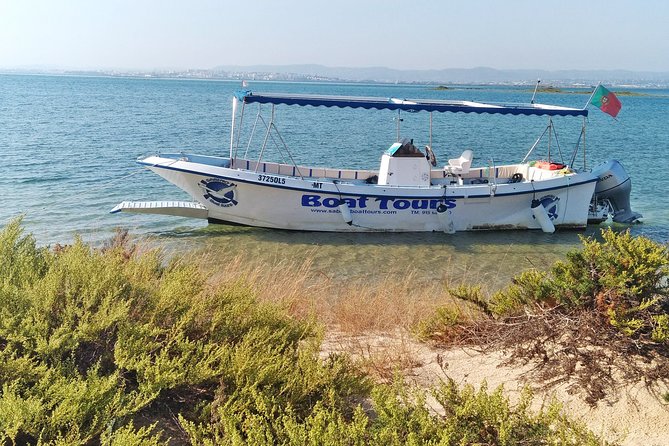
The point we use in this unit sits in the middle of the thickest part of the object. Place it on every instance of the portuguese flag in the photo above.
(606, 101)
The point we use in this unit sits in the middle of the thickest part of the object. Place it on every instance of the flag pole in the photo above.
(592, 94)
(536, 87)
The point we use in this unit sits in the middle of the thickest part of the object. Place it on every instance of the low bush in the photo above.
(622, 278)
(94, 338)
(107, 346)
(458, 416)
(602, 312)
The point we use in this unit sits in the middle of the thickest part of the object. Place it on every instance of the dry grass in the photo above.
(370, 320)
(393, 303)
(381, 355)
(390, 303)
(373, 320)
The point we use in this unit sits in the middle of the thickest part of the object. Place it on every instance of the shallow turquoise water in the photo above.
(69, 145)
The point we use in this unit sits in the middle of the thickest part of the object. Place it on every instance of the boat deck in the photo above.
(476, 175)
(438, 176)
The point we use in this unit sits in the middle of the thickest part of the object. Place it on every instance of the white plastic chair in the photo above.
(460, 166)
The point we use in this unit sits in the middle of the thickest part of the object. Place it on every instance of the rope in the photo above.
(114, 181)
(109, 183)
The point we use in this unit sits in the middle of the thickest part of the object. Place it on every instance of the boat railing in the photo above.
(307, 172)
(491, 173)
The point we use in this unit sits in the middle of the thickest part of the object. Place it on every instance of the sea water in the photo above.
(69, 146)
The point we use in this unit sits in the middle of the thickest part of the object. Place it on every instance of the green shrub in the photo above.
(622, 278)
(444, 323)
(448, 320)
(94, 341)
(528, 287)
(660, 331)
(482, 417)
(459, 416)
(129, 436)
(92, 338)
(21, 262)
(621, 272)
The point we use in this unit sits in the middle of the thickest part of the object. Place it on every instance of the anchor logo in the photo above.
(220, 192)
(551, 203)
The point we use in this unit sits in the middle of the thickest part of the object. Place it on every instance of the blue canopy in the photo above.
(409, 105)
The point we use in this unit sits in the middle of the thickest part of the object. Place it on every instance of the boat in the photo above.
(408, 192)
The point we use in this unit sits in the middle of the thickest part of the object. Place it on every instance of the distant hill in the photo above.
(310, 73)
(456, 75)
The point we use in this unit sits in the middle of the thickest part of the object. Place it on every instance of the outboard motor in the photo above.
(614, 186)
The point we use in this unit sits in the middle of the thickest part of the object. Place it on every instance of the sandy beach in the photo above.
(633, 415)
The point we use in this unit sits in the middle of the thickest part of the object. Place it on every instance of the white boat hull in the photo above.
(254, 198)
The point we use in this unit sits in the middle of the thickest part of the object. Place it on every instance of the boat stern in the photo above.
(613, 190)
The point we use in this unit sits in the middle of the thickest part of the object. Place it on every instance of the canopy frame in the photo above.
(409, 105)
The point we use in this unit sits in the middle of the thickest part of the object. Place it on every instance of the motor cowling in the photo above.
(615, 185)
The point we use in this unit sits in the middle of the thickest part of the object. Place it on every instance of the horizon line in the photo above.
(269, 65)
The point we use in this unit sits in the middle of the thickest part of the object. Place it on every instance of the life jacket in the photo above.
(546, 165)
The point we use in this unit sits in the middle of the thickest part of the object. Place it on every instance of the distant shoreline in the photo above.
(566, 88)
(556, 90)
(402, 78)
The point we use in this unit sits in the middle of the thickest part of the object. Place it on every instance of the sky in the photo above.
(402, 34)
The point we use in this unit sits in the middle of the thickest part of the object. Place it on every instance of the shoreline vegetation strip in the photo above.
(118, 346)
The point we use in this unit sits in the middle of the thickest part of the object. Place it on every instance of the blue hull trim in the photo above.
(453, 197)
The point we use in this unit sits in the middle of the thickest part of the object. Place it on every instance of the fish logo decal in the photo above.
(551, 203)
(220, 192)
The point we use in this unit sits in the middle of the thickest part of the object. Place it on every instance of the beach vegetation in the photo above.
(604, 308)
(621, 278)
(122, 346)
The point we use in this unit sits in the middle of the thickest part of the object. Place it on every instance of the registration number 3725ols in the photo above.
(268, 179)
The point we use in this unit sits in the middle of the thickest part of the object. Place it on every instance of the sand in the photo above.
(633, 416)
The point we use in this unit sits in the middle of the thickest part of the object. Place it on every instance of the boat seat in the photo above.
(461, 165)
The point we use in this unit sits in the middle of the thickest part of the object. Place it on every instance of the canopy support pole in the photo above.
(232, 129)
(264, 143)
(550, 132)
(557, 143)
(573, 155)
(239, 131)
(534, 145)
(584, 142)
(253, 131)
(399, 119)
(271, 126)
(430, 139)
(581, 136)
